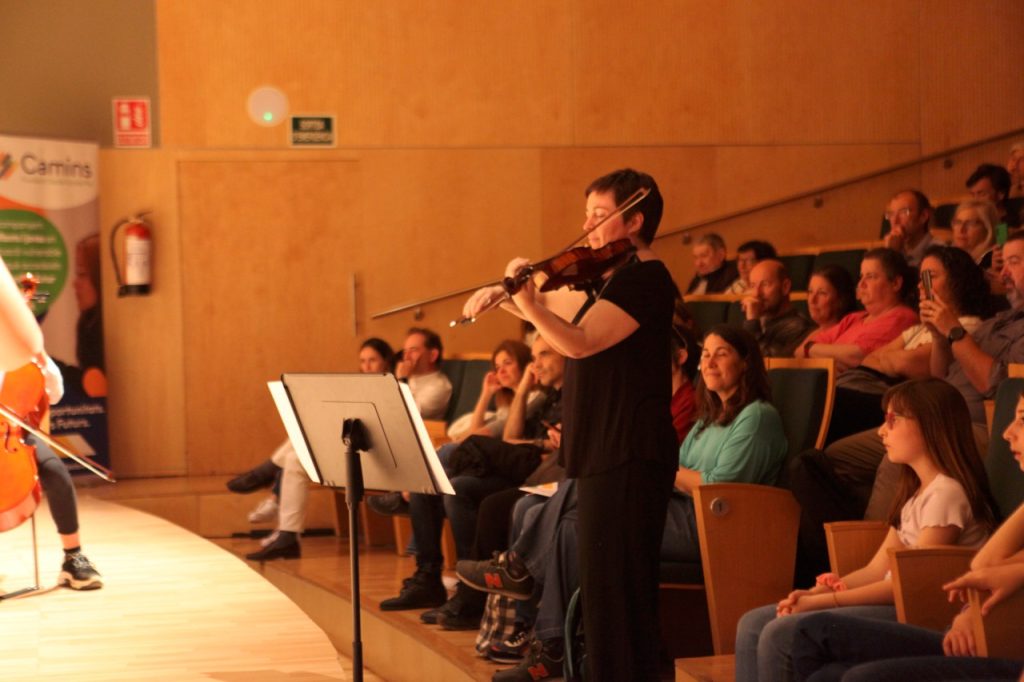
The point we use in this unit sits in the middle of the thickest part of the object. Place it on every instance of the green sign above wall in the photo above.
(311, 131)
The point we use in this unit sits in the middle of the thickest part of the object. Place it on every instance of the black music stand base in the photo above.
(353, 435)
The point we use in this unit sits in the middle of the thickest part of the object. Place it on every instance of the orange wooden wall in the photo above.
(467, 133)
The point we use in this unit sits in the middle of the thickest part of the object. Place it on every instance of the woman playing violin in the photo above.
(617, 437)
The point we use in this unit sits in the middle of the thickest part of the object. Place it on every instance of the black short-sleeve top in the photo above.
(616, 404)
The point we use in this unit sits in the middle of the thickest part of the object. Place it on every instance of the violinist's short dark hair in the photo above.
(997, 175)
(623, 183)
(430, 339)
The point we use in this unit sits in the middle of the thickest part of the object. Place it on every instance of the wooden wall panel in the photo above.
(267, 256)
(443, 220)
(475, 130)
(143, 335)
(397, 73)
(971, 56)
(945, 178)
(700, 183)
(741, 72)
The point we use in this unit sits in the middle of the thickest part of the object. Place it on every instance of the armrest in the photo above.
(998, 635)
(437, 430)
(748, 550)
(851, 544)
(918, 575)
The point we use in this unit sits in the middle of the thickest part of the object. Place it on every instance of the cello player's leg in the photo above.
(77, 572)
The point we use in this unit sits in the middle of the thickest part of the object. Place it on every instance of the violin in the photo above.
(574, 266)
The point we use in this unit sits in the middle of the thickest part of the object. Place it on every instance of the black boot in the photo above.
(463, 611)
(424, 590)
(262, 476)
(286, 546)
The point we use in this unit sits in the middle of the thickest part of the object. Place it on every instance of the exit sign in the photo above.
(311, 131)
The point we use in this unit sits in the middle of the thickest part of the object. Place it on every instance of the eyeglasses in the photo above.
(891, 417)
(905, 212)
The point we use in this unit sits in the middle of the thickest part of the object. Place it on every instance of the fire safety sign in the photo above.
(132, 124)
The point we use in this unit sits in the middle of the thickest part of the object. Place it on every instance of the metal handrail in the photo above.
(692, 227)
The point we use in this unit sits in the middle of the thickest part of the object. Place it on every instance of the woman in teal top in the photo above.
(738, 437)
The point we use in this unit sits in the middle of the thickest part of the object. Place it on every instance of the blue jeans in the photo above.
(833, 646)
(764, 642)
(427, 514)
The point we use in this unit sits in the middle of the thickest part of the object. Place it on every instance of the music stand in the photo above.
(373, 415)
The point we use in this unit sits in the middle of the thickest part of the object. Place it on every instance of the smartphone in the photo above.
(926, 281)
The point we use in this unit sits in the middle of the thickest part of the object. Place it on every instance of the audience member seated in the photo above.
(943, 500)
(908, 213)
(715, 274)
(748, 255)
(851, 479)
(738, 437)
(827, 645)
(831, 296)
(288, 503)
(420, 367)
(503, 644)
(509, 359)
(956, 280)
(478, 467)
(886, 284)
(974, 230)
(685, 361)
(770, 317)
(1015, 167)
(990, 182)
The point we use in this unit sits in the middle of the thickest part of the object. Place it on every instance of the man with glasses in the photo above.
(908, 213)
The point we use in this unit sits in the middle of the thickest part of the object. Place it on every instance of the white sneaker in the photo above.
(265, 511)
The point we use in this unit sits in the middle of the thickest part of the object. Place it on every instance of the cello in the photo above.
(24, 405)
(23, 393)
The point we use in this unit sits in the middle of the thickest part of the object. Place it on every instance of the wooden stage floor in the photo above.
(177, 606)
(173, 607)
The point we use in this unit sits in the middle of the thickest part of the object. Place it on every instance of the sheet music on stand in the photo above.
(401, 455)
(357, 431)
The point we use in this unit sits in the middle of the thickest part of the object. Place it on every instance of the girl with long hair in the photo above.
(943, 499)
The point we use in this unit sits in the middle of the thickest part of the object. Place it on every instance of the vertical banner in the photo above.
(49, 226)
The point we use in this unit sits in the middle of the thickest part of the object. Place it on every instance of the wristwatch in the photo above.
(955, 334)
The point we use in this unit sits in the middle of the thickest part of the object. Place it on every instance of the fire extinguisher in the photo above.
(137, 276)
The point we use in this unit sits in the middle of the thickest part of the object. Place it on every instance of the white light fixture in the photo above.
(267, 106)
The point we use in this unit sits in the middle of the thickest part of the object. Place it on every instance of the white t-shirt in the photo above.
(942, 503)
(918, 335)
(431, 393)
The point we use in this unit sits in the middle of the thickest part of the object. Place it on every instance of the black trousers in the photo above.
(494, 522)
(621, 521)
(59, 489)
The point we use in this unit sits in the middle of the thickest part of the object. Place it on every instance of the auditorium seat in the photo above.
(799, 266)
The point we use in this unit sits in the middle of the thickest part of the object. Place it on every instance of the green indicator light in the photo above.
(268, 116)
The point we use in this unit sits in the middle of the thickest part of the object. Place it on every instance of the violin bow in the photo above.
(631, 201)
(94, 467)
